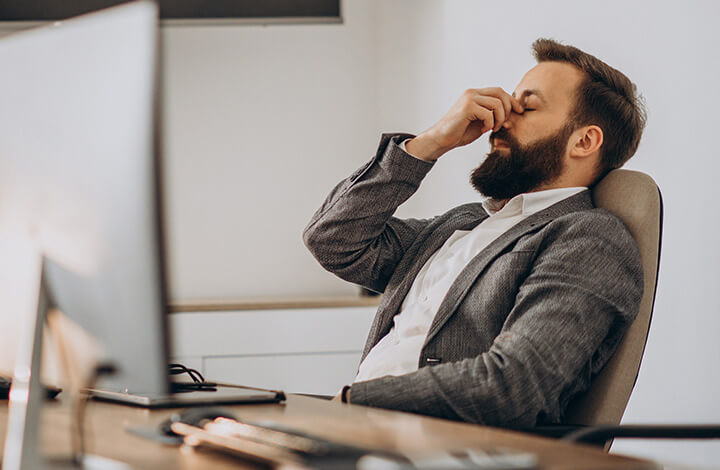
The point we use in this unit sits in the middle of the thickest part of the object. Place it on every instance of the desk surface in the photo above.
(345, 423)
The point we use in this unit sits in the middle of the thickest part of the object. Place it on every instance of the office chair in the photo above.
(634, 198)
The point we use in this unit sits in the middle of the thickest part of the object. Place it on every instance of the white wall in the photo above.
(260, 122)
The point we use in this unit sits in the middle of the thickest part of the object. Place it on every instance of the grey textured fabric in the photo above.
(527, 323)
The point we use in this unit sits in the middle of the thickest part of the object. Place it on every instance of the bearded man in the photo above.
(496, 312)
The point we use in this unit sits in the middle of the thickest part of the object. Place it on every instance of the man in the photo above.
(496, 312)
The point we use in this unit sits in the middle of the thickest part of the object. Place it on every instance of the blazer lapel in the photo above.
(410, 266)
(477, 265)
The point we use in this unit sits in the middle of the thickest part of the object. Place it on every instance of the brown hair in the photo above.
(606, 98)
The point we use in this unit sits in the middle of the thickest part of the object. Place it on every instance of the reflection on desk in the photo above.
(351, 424)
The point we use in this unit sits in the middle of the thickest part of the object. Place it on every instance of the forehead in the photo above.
(553, 82)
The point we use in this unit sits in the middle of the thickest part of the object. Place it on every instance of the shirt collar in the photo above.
(529, 203)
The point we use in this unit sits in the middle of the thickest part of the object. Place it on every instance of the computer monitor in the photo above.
(81, 210)
(79, 178)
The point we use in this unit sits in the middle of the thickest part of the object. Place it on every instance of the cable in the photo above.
(199, 383)
(178, 369)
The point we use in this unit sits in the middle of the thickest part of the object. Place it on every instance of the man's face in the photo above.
(529, 151)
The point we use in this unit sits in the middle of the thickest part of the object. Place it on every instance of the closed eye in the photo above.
(528, 109)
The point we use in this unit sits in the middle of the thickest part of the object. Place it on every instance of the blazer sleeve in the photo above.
(354, 234)
(578, 299)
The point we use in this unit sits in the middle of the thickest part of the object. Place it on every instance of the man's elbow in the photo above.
(308, 237)
(320, 244)
(314, 241)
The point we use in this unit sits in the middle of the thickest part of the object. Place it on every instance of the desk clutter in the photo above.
(274, 446)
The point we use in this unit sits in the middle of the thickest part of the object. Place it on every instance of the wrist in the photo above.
(423, 147)
(345, 395)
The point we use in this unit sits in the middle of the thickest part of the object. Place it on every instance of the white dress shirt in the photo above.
(398, 352)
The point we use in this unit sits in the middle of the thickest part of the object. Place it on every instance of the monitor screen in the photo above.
(79, 183)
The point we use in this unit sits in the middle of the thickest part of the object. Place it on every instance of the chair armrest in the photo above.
(600, 434)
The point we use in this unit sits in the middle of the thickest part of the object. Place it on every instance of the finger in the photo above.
(496, 106)
(500, 94)
(517, 106)
(484, 115)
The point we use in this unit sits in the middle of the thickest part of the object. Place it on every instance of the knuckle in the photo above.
(496, 104)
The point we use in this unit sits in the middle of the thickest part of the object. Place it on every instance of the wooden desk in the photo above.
(335, 421)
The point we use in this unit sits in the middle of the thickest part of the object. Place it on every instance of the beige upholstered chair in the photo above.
(634, 198)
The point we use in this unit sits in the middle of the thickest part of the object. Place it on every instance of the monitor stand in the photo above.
(27, 397)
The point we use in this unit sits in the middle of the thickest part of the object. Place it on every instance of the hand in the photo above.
(338, 397)
(476, 112)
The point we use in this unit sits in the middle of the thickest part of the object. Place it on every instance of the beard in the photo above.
(520, 169)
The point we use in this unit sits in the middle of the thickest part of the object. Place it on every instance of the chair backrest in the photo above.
(635, 198)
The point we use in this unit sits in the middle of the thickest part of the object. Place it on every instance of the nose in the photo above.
(509, 121)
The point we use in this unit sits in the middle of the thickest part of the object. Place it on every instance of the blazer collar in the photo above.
(529, 203)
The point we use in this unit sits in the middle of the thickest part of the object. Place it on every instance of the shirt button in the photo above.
(425, 298)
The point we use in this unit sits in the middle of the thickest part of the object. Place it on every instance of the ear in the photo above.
(585, 141)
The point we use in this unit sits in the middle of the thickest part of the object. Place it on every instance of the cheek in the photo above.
(534, 127)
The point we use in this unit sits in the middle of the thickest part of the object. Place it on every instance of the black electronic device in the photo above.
(6, 383)
(267, 11)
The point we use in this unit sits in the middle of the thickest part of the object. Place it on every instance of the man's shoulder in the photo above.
(596, 217)
(596, 226)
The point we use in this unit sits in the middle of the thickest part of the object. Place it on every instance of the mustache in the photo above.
(505, 136)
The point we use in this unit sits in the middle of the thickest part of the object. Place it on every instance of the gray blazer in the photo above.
(527, 323)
